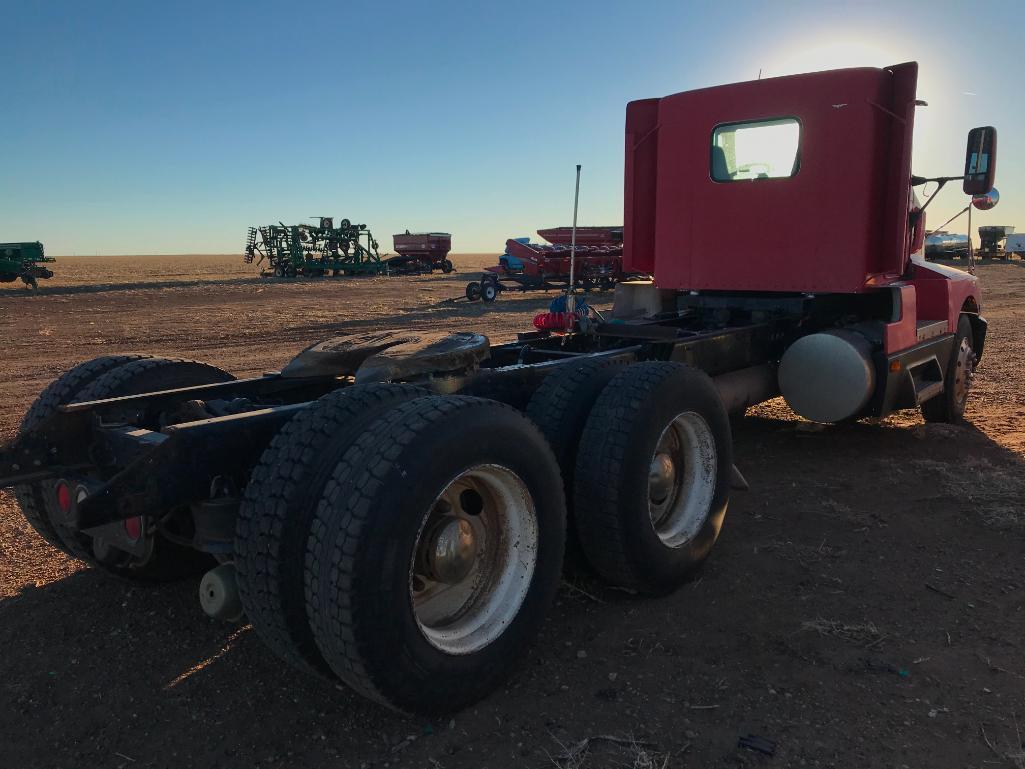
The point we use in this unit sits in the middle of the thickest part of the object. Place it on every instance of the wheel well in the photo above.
(970, 305)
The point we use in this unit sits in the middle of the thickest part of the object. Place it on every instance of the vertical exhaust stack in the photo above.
(570, 300)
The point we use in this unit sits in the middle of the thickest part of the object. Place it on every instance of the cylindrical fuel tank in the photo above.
(828, 376)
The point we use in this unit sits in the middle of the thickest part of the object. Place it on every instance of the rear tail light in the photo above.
(65, 499)
(133, 528)
(555, 321)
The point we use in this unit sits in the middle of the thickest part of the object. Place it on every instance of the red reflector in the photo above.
(64, 497)
(555, 321)
(133, 527)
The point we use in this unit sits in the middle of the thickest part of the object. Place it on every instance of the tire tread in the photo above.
(114, 383)
(941, 408)
(272, 526)
(603, 531)
(59, 392)
(338, 601)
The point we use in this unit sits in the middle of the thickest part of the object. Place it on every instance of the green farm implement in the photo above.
(314, 251)
(25, 261)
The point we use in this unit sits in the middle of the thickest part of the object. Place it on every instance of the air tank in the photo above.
(828, 376)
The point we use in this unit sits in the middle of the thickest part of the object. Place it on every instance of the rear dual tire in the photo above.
(168, 560)
(278, 508)
(32, 498)
(342, 514)
(560, 407)
(430, 468)
(109, 377)
(651, 489)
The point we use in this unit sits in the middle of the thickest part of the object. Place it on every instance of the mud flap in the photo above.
(737, 481)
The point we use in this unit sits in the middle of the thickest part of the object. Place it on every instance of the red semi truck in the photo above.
(390, 509)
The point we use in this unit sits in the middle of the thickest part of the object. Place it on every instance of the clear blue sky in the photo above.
(169, 127)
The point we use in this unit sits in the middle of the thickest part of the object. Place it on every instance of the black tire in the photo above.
(360, 558)
(63, 390)
(280, 500)
(473, 291)
(169, 561)
(279, 271)
(488, 290)
(447, 266)
(152, 374)
(949, 406)
(559, 407)
(611, 484)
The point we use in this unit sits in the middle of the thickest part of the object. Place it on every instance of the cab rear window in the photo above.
(753, 150)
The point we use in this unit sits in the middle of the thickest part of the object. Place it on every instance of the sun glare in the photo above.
(833, 54)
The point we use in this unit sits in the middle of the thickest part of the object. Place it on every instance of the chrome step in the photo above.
(929, 329)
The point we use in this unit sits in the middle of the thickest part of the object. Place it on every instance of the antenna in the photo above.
(570, 300)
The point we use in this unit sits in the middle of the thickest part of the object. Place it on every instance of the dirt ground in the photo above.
(863, 608)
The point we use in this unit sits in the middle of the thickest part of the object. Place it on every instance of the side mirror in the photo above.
(986, 200)
(980, 163)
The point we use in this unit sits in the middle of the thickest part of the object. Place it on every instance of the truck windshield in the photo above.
(765, 149)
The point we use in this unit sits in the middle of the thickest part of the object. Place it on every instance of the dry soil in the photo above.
(863, 608)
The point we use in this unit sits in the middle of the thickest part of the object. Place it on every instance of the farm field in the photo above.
(864, 607)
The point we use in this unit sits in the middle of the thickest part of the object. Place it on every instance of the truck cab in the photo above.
(799, 189)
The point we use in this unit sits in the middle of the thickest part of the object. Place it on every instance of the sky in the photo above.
(170, 127)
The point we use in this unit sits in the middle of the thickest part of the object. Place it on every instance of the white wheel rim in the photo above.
(681, 479)
(964, 371)
(471, 568)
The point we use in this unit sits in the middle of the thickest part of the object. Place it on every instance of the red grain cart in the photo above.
(421, 252)
(530, 266)
(586, 236)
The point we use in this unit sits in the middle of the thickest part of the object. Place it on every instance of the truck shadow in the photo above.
(840, 523)
(49, 289)
(107, 650)
(898, 463)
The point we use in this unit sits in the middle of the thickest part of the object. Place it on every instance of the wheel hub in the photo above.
(965, 372)
(453, 548)
(473, 559)
(681, 479)
(661, 477)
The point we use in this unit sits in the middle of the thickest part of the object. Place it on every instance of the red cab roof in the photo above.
(837, 224)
